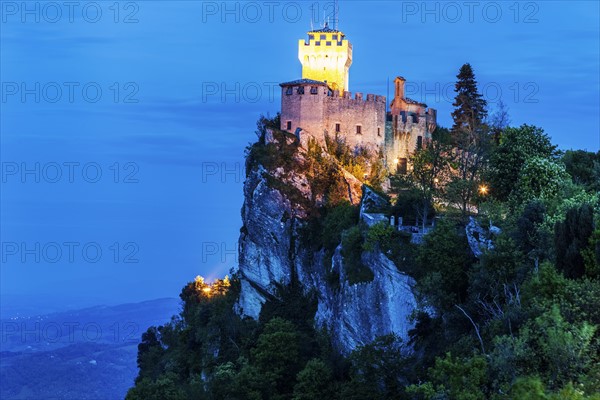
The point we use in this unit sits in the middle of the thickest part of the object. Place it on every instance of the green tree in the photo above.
(564, 350)
(352, 248)
(377, 371)
(530, 237)
(276, 356)
(454, 378)
(496, 281)
(591, 255)
(528, 388)
(315, 381)
(469, 105)
(443, 262)
(572, 238)
(429, 173)
(584, 168)
(539, 178)
(517, 146)
(338, 218)
(150, 353)
(165, 387)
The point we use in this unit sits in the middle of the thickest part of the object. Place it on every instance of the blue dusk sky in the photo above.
(123, 127)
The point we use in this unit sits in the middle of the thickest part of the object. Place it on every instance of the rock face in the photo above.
(270, 252)
(480, 239)
(357, 314)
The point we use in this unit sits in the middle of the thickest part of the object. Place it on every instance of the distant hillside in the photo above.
(80, 354)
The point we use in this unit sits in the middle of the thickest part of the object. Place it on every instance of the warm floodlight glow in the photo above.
(483, 190)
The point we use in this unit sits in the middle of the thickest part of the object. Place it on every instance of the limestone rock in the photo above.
(271, 252)
(479, 238)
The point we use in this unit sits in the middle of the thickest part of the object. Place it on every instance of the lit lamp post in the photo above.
(483, 191)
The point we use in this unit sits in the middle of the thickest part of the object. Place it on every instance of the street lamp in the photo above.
(483, 191)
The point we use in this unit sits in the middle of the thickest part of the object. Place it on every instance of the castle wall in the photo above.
(324, 111)
(348, 112)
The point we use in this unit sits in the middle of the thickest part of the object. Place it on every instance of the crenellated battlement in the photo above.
(358, 96)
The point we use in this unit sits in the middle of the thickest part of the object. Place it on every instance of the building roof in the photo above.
(303, 82)
(411, 101)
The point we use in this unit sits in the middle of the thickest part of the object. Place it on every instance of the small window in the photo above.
(323, 37)
(327, 43)
(338, 128)
(419, 142)
(301, 90)
(317, 43)
(311, 37)
(289, 90)
(314, 90)
(334, 37)
(402, 166)
(289, 126)
(358, 129)
(378, 131)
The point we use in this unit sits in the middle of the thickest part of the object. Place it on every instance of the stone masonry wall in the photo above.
(320, 112)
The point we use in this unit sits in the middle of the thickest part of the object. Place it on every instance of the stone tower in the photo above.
(326, 57)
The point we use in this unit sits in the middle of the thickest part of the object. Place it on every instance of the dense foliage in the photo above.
(521, 321)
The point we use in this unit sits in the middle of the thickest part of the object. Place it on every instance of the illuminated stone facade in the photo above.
(409, 126)
(326, 56)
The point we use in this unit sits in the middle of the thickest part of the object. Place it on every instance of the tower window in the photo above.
(327, 43)
(419, 142)
(323, 37)
(334, 37)
(378, 131)
(301, 90)
(289, 90)
(358, 129)
(311, 37)
(317, 43)
(338, 128)
(289, 126)
(314, 90)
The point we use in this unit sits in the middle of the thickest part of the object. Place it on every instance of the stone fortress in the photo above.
(320, 103)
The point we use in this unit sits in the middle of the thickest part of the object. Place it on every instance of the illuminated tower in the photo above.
(326, 57)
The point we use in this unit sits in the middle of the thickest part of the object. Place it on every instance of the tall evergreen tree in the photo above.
(471, 140)
(470, 106)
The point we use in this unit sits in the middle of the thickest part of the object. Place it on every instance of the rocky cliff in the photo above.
(287, 180)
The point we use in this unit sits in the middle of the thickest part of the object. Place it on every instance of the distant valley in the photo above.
(81, 354)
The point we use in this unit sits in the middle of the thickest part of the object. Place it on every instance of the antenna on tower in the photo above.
(335, 15)
(387, 99)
